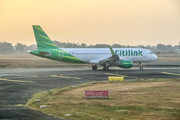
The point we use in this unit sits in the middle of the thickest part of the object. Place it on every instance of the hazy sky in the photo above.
(126, 22)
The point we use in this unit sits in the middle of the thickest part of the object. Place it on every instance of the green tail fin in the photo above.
(42, 40)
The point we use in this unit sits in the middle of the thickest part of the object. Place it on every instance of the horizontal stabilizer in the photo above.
(43, 53)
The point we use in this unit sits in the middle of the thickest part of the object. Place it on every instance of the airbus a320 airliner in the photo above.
(120, 57)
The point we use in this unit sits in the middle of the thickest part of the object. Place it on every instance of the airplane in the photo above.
(120, 57)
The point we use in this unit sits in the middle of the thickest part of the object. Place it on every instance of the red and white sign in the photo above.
(96, 93)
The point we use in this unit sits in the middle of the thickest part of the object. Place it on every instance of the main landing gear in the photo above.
(94, 67)
(105, 68)
(141, 67)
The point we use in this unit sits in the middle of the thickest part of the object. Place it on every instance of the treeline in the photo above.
(8, 48)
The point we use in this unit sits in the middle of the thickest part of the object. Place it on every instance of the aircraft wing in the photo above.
(107, 61)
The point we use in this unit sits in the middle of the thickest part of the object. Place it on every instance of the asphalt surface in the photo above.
(18, 85)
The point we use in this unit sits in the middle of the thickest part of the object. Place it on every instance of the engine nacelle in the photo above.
(125, 63)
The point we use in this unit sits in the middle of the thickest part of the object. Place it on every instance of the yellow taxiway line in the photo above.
(27, 75)
(171, 73)
(65, 77)
(16, 80)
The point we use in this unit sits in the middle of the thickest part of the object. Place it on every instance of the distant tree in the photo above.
(71, 45)
(90, 46)
(161, 47)
(116, 46)
(177, 46)
(141, 46)
(83, 45)
(6, 48)
(31, 47)
(57, 43)
(170, 48)
(74, 45)
(148, 46)
(101, 46)
(157, 52)
(20, 48)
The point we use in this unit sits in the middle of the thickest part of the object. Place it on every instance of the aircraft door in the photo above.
(61, 54)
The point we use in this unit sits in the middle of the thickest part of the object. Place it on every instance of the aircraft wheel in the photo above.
(141, 67)
(105, 68)
(94, 67)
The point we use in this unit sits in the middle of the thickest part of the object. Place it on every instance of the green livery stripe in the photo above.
(50, 44)
(38, 28)
(57, 50)
(42, 40)
(45, 37)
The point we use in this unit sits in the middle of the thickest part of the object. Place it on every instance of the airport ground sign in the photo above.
(96, 93)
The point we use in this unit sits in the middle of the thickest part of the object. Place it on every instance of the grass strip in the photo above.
(132, 99)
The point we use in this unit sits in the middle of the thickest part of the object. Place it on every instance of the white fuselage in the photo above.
(137, 55)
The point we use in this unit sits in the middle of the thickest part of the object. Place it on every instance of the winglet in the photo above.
(112, 52)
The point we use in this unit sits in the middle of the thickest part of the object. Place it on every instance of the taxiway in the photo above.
(18, 85)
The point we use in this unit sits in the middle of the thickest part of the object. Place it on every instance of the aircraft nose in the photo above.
(155, 57)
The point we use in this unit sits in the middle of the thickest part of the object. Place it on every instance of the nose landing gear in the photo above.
(141, 67)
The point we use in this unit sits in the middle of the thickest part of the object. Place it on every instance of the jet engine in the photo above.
(124, 63)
